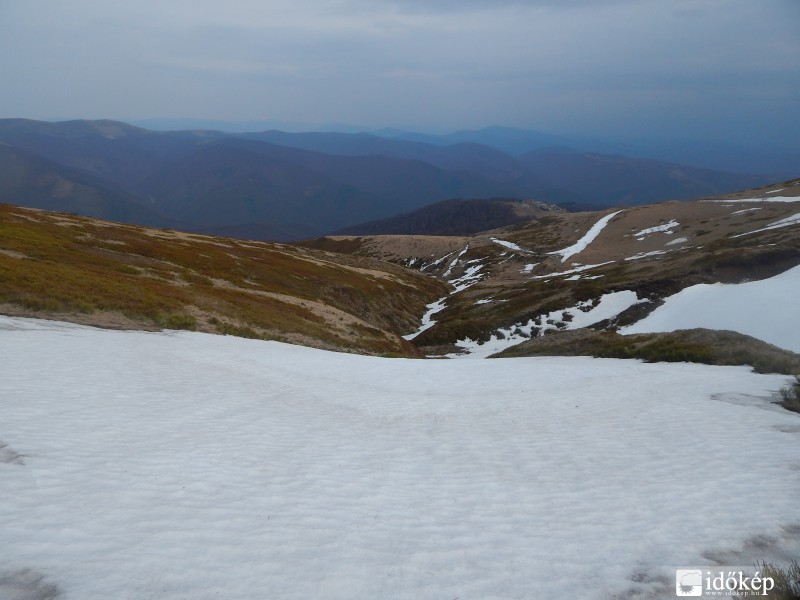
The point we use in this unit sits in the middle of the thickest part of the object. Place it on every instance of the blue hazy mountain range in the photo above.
(281, 185)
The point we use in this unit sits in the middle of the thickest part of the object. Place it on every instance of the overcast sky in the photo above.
(724, 69)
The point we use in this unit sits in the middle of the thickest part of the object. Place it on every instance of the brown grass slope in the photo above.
(712, 240)
(80, 269)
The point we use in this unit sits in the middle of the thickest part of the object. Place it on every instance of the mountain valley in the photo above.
(513, 289)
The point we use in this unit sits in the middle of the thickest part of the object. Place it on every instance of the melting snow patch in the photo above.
(577, 277)
(576, 270)
(763, 199)
(765, 309)
(528, 268)
(646, 254)
(427, 321)
(471, 276)
(747, 210)
(581, 315)
(455, 260)
(587, 239)
(438, 261)
(665, 228)
(793, 220)
(509, 245)
(484, 301)
(680, 240)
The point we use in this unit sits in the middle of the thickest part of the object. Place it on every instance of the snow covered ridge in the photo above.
(186, 465)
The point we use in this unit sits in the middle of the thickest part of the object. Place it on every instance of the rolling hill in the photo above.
(610, 180)
(553, 282)
(289, 186)
(75, 268)
(561, 272)
(36, 182)
(455, 217)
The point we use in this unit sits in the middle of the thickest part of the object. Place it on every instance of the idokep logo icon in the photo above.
(689, 582)
(731, 582)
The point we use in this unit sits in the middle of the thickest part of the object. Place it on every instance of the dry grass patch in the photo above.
(166, 279)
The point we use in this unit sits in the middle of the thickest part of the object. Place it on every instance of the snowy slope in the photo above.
(766, 309)
(184, 465)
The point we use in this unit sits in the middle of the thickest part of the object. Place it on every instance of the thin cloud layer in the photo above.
(622, 66)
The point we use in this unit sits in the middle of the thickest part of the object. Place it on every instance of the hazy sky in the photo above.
(696, 68)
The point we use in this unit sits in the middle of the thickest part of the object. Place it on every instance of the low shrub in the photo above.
(177, 321)
(790, 395)
(787, 580)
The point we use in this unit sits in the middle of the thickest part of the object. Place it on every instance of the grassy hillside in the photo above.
(510, 278)
(97, 272)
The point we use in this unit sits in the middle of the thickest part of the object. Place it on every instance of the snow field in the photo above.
(765, 309)
(175, 465)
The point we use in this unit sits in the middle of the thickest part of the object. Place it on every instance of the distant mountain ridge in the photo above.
(36, 181)
(455, 217)
(287, 186)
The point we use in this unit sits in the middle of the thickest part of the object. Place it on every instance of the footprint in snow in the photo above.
(8, 455)
(26, 584)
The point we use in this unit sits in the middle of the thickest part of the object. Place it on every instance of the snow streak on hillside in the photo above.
(787, 222)
(587, 238)
(761, 199)
(581, 315)
(184, 465)
(765, 309)
(472, 274)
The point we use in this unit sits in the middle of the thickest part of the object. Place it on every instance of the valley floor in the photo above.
(185, 465)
